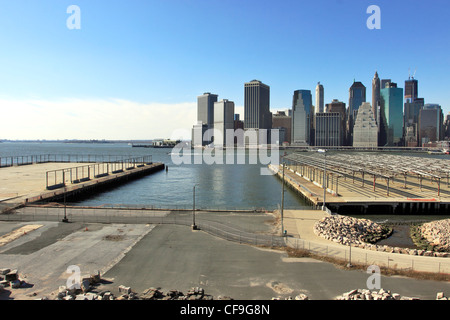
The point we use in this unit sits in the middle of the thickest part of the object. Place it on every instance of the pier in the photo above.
(369, 183)
(44, 181)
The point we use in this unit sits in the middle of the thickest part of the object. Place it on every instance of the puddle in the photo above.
(399, 238)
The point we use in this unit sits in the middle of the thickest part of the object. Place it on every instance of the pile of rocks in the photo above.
(126, 293)
(437, 233)
(301, 296)
(366, 294)
(10, 278)
(348, 230)
(362, 233)
(88, 283)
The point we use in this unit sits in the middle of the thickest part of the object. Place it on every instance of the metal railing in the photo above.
(9, 161)
(60, 177)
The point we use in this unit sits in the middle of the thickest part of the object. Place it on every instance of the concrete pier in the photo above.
(52, 181)
(356, 195)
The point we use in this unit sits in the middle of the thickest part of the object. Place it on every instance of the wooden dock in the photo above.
(46, 182)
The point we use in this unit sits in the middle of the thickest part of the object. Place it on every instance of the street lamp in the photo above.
(282, 202)
(65, 216)
(194, 227)
(324, 176)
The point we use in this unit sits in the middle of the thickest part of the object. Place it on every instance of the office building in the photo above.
(411, 121)
(430, 124)
(384, 83)
(357, 95)
(411, 89)
(302, 116)
(365, 130)
(223, 121)
(198, 135)
(340, 107)
(329, 129)
(376, 86)
(205, 112)
(205, 108)
(319, 98)
(283, 120)
(257, 113)
(392, 113)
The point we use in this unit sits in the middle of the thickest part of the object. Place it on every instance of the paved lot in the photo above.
(175, 257)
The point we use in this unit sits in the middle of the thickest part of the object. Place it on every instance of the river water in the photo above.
(226, 186)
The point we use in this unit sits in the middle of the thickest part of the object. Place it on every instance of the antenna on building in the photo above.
(414, 73)
(409, 73)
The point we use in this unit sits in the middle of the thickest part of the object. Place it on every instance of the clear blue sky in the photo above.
(167, 52)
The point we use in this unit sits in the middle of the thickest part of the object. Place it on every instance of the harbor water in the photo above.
(226, 185)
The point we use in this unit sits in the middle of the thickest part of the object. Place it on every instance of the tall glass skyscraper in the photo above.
(302, 116)
(319, 98)
(392, 109)
(357, 95)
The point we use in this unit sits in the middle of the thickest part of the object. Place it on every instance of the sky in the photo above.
(133, 69)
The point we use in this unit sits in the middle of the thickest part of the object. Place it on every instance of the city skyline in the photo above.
(129, 67)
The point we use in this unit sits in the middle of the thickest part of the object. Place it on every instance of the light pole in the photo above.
(282, 202)
(324, 176)
(65, 216)
(194, 227)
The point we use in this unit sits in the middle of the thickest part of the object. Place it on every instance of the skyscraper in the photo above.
(205, 108)
(392, 109)
(411, 89)
(411, 121)
(376, 86)
(357, 95)
(223, 121)
(385, 82)
(205, 119)
(319, 98)
(282, 120)
(365, 130)
(329, 131)
(430, 123)
(302, 116)
(257, 113)
(339, 107)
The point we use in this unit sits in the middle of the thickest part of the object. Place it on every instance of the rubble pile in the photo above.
(366, 294)
(348, 230)
(437, 233)
(363, 233)
(88, 283)
(10, 278)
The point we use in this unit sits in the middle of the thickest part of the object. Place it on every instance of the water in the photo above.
(224, 186)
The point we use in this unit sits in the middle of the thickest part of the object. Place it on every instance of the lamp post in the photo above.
(194, 227)
(282, 203)
(324, 176)
(65, 216)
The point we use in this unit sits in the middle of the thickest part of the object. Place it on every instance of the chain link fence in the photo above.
(243, 229)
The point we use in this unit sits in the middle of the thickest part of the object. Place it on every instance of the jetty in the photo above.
(369, 183)
(34, 179)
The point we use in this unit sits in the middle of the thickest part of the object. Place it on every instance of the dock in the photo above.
(369, 184)
(54, 181)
